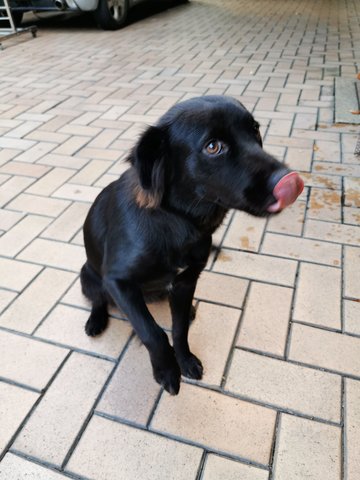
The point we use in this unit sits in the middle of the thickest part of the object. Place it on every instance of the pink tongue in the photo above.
(286, 191)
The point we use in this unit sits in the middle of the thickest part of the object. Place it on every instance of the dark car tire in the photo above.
(111, 14)
(17, 17)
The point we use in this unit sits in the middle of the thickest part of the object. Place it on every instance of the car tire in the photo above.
(17, 18)
(111, 14)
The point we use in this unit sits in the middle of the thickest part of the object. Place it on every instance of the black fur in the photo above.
(149, 232)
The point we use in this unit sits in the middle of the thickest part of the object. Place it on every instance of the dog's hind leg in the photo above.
(91, 285)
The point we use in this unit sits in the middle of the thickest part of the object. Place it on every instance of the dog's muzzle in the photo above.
(286, 190)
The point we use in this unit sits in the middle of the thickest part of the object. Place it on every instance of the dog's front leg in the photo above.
(181, 297)
(129, 298)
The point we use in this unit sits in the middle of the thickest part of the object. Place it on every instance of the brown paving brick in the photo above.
(14, 406)
(211, 336)
(299, 159)
(352, 191)
(35, 362)
(290, 221)
(37, 299)
(307, 449)
(245, 232)
(265, 322)
(54, 254)
(329, 182)
(38, 205)
(352, 428)
(132, 391)
(217, 467)
(71, 395)
(65, 325)
(217, 422)
(321, 348)
(302, 249)
(68, 223)
(13, 467)
(333, 232)
(257, 267)
(351, 272)
(351, 215)
(231, 293)
(50, 182)
(120, 444)
(282, 384)
(318, 296)
(16, 275)
(325, 204)
(22, 234)
(352, 317)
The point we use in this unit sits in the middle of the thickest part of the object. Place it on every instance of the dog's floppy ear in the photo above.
(149, 161)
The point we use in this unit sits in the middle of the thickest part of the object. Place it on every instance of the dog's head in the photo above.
(209, 149)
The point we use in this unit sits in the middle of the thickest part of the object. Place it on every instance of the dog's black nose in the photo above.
(285, 186)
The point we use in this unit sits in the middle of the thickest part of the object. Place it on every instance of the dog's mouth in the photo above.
(286, 191)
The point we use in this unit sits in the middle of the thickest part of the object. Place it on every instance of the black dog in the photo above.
(149, 232)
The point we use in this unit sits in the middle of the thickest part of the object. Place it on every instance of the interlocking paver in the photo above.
(16, 275)
(300, 389)
(270, 328)
(232, 292)
(14, 240)
(71, 395)
(265, 323)
(352, 428)
(132, 391)
(308, 450)
(35, 363)
(302, 249)
(244, 232)
(257, 267)
(325, 349)
(72, 321)
(351, 272)
(218, 422)
(318, 296)
(212, 345)
(120, 445)
(14, 406)
(54, 254)
(219, 467)
(13, 467)
(30, 307)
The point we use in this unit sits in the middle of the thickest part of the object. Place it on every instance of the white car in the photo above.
(109, 14)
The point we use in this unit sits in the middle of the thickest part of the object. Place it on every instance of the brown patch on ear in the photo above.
(145, 198)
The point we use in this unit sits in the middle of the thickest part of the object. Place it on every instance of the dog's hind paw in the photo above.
(191, 367)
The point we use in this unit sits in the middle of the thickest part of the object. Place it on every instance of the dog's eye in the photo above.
(214, 147)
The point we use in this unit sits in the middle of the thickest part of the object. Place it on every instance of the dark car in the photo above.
(109, 14)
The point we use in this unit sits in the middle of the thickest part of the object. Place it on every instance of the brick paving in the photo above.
(278, 323)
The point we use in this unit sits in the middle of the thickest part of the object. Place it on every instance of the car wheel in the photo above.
(17, 17)
(111, 14)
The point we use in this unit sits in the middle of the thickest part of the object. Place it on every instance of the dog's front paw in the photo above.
(191, 367)
(169, 377)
